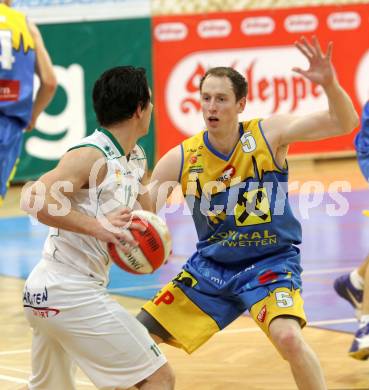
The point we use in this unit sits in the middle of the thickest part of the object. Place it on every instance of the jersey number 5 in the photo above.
(248, 142)
(283, 299)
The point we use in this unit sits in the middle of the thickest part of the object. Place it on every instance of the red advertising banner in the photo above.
(259, 44)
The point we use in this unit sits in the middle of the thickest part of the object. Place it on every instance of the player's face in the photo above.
(218, 102)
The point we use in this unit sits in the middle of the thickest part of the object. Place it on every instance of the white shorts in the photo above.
(74, 320)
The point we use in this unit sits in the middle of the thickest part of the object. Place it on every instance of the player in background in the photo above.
(23, 54)
(352, 286)
(246, 257)
(87, 201)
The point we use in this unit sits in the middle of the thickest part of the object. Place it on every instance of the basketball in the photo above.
(154, 245)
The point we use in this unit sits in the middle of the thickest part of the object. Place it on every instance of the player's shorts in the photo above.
(205, 297)
(11, 135)
(362, 143)
(74, 320)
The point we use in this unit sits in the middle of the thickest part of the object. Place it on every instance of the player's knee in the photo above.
(166, 375)
(288, 340)
(163, 379)
(153, 326)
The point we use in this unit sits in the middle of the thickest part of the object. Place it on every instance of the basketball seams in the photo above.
(147, 241)
(154, 245)
(122, 261)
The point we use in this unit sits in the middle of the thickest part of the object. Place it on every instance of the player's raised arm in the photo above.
(165, 177)
(340, 117)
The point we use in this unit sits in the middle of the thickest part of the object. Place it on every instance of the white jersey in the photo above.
(119, 189)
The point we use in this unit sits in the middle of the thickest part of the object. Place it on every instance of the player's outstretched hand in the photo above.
(320, 69)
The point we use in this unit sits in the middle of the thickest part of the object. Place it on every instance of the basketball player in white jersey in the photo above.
(86, 201)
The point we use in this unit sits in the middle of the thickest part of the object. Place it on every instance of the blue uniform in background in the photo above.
(362, 142)
(17, 67)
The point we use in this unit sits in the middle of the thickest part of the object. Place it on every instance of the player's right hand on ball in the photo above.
(114, 228)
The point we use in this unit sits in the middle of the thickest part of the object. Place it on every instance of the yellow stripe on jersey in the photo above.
(189, 326)
(202, 167)
(15, 21)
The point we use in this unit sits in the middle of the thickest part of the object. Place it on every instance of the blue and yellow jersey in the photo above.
(17, 66)
(239, 202)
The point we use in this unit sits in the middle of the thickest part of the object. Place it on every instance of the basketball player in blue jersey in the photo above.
(22, 54)
(65, 300)
(234, 179)
(354, 287)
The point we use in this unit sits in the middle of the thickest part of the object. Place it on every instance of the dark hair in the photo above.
(239, 83)
(118, 92)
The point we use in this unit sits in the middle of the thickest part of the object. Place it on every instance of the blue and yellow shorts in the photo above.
(11, 134)
(206, 297)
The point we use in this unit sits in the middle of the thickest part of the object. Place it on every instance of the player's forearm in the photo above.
(74, 221)
(43, 97)
(341, 109)
(57, 212)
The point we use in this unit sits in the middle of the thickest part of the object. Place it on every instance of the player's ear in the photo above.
(241, 104)
(139, 111)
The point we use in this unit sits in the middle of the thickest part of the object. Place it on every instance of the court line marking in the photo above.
(25, 381)
(327, 271)
(333, 322)
(312, 323)
(14, 369)
(16, 351)
(13, 379)
(243, 330)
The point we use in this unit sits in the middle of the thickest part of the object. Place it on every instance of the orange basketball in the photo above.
(154, 245)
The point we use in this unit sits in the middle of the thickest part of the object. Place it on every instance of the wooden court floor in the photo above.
(240, 357)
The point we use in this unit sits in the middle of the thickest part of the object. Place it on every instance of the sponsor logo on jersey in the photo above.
(193, 159)
(165, 297)
(44, 312)
(118, 177)
(253, 208)
(228, 173)
(267, 277)
(9, 90)
(186, 278)
(33, 300)
(196, 168)
(262, 314)
(109, 151)
(193, 150)
(234, 238)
